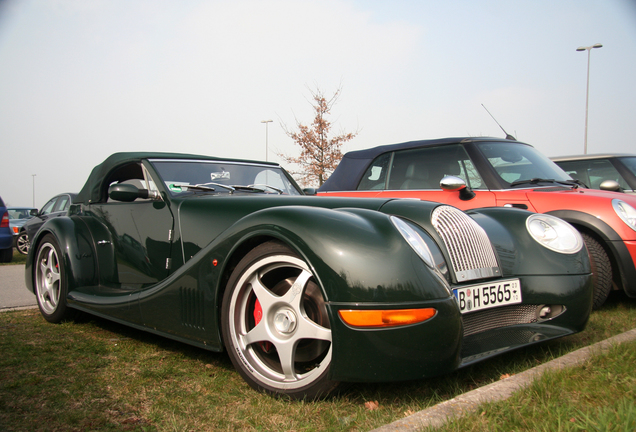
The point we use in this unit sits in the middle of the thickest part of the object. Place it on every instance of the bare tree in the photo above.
(319, 153)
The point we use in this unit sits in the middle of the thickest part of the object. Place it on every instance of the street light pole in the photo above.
(266, 136)
(587, 93)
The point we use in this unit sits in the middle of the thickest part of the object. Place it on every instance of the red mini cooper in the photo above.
(485, 172)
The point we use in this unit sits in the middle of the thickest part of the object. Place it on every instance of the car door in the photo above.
(417, 173)
(133, 240)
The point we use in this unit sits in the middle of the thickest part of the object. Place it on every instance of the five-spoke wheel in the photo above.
(275, 324)
(22, 243)
(50, 281)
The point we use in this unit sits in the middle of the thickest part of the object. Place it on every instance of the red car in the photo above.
(485, 172)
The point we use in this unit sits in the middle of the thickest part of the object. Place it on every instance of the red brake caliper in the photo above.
(258, 316)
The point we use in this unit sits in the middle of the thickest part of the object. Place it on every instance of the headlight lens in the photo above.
(554, 233)
(625, 212)
(414, 240)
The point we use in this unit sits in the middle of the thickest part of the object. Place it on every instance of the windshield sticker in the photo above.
(220, 175)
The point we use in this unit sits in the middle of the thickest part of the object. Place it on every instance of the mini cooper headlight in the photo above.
(554, 233)
(625, 212)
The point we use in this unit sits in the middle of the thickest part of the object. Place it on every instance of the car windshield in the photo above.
(630, 163)
(522, 165)
(223, 177)
(19, 213)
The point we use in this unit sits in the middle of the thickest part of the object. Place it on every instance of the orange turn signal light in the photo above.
(386, 318)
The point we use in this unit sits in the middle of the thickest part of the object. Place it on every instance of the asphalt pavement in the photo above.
(13, 291)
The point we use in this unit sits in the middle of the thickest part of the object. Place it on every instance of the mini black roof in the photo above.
(354, 163)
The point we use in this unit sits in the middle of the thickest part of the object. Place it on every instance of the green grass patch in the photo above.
(599, 395)
(97, 375)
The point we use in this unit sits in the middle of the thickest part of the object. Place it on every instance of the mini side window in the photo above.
(375, 176)
(424, 168)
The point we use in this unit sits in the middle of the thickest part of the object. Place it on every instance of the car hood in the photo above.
(593, 202)
(202, 218)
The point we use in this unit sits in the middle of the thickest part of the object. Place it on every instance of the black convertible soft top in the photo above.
(354, 163)
(92, 190)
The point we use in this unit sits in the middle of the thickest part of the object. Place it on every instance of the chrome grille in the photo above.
(481, 321)
(471, 253)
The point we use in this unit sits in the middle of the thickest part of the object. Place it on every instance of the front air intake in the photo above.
(471, 253)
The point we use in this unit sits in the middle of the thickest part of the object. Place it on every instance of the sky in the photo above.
(82, 79)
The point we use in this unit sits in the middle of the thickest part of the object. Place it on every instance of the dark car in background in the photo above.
(6, 237)
(479, 172)
(305, 292)
(55, 207)
(17, 218)
(611, 172)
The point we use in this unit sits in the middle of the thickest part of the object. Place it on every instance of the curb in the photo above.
(17, 308)
(468, 403)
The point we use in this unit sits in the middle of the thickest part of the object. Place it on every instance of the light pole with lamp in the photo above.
(587, 93)
(266, 136)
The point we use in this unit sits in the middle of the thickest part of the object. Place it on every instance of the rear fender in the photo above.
(75, 244)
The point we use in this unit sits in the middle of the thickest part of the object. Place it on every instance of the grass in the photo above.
(599, 395)
(97, 375)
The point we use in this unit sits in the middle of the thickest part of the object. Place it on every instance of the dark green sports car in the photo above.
(306, 292)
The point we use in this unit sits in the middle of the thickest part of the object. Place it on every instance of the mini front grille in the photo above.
(471, 253)
(505, 316)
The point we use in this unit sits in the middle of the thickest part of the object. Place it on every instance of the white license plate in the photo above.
(485, 296)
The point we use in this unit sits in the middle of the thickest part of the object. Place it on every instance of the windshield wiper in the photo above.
(260, 187)
(233, 188)
(536, 180)
(202, 186)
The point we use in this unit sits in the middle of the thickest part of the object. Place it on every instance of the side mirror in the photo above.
(310, 191)
(452, 184)
(129, 193)
(610, 185)
(34, 212)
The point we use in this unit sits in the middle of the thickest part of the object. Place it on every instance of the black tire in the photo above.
(6, 255)
(286, 350)
(601, 270)
(22, 243)
(49, 280)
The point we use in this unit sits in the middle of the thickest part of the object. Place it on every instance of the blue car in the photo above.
(6, 237)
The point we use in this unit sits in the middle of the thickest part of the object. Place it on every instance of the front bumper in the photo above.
(440, 346)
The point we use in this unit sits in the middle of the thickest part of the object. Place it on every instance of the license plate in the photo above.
(485, 296)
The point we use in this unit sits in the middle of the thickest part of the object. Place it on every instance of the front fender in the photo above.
(357, 254)
(615, 245)
(77, 251)
(519, 252)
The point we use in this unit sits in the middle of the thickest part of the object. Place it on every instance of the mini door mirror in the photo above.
(309, 191)
(610, 185)
(452, 184)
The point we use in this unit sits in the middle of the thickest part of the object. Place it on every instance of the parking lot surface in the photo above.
(13, 292)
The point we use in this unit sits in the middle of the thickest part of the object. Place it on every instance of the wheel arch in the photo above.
(623, 267)
(76, 246)
(346, 251)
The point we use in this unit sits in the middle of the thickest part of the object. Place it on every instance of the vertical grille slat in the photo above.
(472, 255)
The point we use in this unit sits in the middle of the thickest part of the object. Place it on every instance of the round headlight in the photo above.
(554, 233)
(625, 212)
